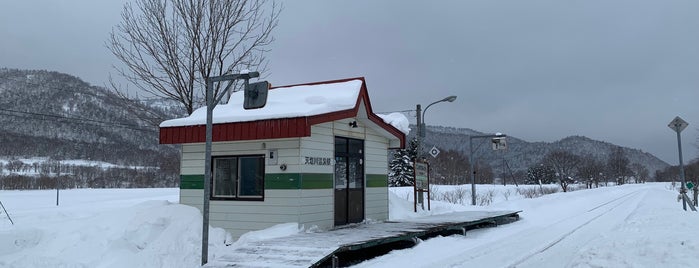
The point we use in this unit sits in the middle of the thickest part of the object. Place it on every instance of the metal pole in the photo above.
(207, 172)
(8, 214)
(472, 171)
(58, 183)
(420, 134)
(418, 111)
(504, 177)
(211, 102)
(683, 190)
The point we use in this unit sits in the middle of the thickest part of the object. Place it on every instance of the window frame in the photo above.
(237, 196)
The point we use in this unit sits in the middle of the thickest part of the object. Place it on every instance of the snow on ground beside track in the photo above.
(621, 226)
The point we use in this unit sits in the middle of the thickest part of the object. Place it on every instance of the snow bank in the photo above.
(279, 230)
(92, 231)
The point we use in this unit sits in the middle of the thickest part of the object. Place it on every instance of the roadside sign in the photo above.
(690, 185)
(499, 143)
(678, 124)
(421, 174)
(434, 152)
(422, 184)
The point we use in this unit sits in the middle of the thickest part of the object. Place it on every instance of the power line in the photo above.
(40, 116)
(80, 90)
(105, 94)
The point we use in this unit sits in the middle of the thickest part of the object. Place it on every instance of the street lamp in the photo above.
(421, 121)
(497, 137)
(421, 133)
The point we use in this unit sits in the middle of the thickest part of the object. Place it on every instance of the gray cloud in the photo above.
(541, 70)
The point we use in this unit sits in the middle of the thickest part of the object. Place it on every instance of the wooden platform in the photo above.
(321, 249)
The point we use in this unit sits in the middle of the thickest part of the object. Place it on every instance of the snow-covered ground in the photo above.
(623, 226)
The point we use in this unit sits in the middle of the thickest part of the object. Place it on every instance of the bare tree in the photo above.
(640, 172)
(591, 170)
(565, 164)
(450, 167)
(484, 173)
(618, 165)
(168, 47)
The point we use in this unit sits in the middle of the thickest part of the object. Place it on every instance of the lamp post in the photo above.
(421, 121)
(471, 160)
(421, 131)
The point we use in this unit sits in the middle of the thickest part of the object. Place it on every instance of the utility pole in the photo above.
(421, 131)
(418, 114)
(418, 155)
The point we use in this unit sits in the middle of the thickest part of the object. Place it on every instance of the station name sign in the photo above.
(317, 161)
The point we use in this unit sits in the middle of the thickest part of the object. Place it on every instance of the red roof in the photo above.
(280, 127)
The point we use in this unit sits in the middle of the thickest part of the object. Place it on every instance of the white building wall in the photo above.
(313, 203)
(376, 157)
(238, 217)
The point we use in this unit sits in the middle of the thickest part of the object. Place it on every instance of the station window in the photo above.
(238, 177)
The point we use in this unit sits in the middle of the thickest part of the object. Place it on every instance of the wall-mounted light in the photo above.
(353, 124)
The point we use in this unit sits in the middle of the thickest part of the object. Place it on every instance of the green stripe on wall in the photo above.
(274, 181)
(282, 181)
(192, 182)
(316, 181)
(376, 180)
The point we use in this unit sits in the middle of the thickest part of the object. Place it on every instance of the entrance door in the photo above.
(349, 180)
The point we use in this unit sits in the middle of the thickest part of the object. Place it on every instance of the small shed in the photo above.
(316, 154)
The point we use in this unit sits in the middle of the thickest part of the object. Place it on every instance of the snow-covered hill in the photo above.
(50, 114)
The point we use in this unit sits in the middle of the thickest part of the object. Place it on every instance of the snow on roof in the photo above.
(397, 120)
(284, 102)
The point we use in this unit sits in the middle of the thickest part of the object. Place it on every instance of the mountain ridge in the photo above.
(57, 115)
(522, 154)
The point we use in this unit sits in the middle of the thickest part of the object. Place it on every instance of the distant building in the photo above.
(316, 154)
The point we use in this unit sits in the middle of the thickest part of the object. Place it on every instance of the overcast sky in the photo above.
(617, 71)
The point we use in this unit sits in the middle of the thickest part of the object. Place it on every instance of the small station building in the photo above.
(316, 154)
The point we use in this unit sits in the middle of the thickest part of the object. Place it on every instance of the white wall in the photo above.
(310, 207)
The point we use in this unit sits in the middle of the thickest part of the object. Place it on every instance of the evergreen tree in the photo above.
(401, 166)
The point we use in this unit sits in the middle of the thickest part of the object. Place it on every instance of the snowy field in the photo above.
(639, 225)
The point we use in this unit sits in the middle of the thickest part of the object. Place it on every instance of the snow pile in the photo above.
(397, 120)
(284, 102)
(279, 230)
(91, 230)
